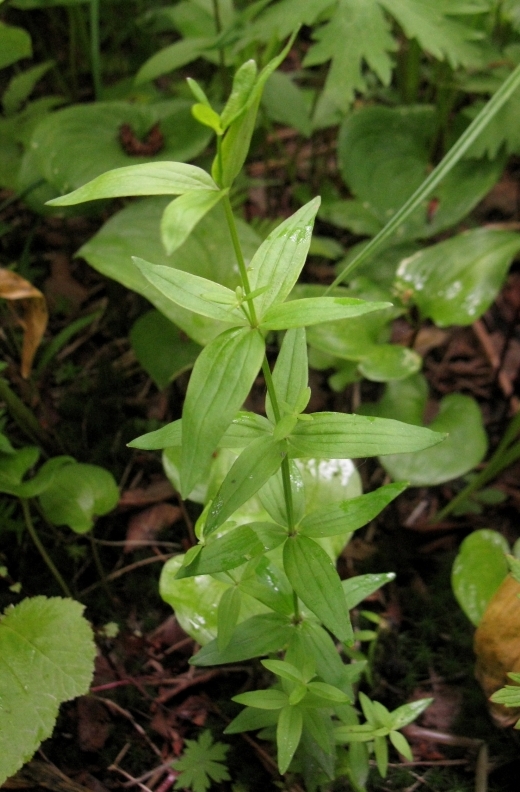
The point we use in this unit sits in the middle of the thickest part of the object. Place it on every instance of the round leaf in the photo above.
(79, 493)
(478, 570)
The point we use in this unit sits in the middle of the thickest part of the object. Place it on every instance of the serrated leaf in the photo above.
(192, 292)
(478, 571)
(78, 494)
(227, 551)
(288, 734)
(315, 310)
(509, 696)
(257, 636)
(279, 260)
(291, 371)
(153, 178)
(47, 652)
(340, 436)
(316, 582)
(220, 381)
(349, 515)
(201, 764)
(454, 282)
(182, 215)
(363, 24)
(255, 465)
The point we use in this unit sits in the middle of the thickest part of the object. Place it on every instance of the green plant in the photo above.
(284, 540)
(201, 763)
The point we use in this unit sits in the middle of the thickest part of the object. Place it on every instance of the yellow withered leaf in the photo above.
(497, 646)
(30, 309)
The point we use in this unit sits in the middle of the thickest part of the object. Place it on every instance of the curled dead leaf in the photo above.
(497, 646)
(32, 317)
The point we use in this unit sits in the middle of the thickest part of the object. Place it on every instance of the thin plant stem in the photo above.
(286, 471)
(453, 156)
(99, 565)
(221, 55)
(95, 57)
(41, 549)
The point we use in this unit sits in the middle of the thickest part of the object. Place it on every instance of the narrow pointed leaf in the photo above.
(246, 426)
(401, 745)
(349, 515)
(288, 734)
(315, 580)
(255, 465)
(227, 551)
(182, 215)
(328, 692)
(192, 292)
(339, 436)
(283, 669)
(381, 752)
(153, 178)
(227, 615)
(270, 699)
(315, 310)
(404, 715)
(243, 83)
(360, 587)
(251, 719)
(280, 259)
(291, 371)
(220, 381)
(255, 637)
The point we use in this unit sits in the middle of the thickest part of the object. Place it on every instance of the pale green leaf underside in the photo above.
(315, 310)
(46, 657)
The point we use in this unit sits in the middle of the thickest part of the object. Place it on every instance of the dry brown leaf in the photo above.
(143, 496)
(33, 317)
(497, 646)
(146, 525)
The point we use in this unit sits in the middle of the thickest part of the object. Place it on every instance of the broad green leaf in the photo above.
(226, 551)
(257, 636)
(509, 695)
(285, 103)
(196, 294)
(358, 588)
(352, 215)
(319, 645)
(363, 24)
(227, 615)
(478, 570)
(340, 436)
(243, 82)
(465, 445)
(182, 215)
(77, 495)
(281, 19)
(315, 580)
(269, 585)
(15, 44)
(349, 515)
(263, 699)
(195, 601)
(388, 362)
(207, 253)
(255, 465)
(208, 117)
(272, 497)
(455, 281)
(43, 479)
(288, 734)
(14, 466)
(21, 86)
(251, 719)
(291, 371)
(171, 58)
(404, 715)
(220, 381)
(152, 178)
(402, 401)
(384, 155)
(314, 310)
(47, 652)
(279, 260)
(73, 146)
(201, 763)
(161, 350)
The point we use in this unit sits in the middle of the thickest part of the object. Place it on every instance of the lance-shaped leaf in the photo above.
(220, 381)
(224, 552)
(315, 580)
(288, 734)
(182, 215)
(280, 259)
(358, 588)
(243, 82)
(199, 295)
(270, 699)
(153, 178)
(255, 465)
(291, 371)
(349, 515)
(337, 436)
(251, 719)
(246, 426)
(314, 310)
(255, 637)
(272, 495)
(227, 615)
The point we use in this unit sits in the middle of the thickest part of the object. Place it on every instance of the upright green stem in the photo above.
(41, 549)
(221, 55)
(453, 156)
(95, 57)
(286, 471)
